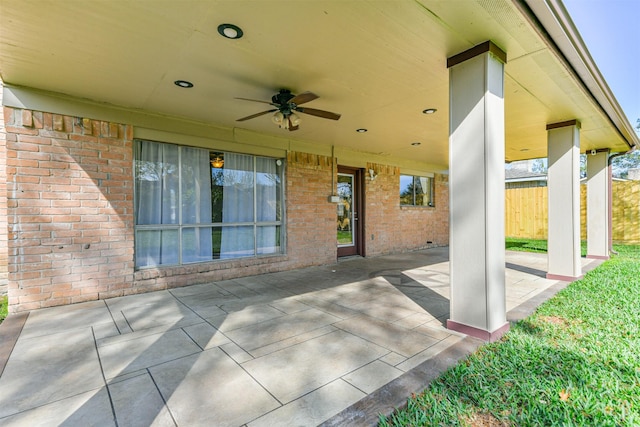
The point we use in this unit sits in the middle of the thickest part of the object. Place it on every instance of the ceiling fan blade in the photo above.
(256, 115)
(303, 97)
(319, 113)
(257, 100)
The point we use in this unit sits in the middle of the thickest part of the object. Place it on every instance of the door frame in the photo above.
(359, 202)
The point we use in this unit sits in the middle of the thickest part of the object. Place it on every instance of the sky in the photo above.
(611, 31)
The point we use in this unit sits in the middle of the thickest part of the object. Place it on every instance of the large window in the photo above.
(416, 191)
(195, 205)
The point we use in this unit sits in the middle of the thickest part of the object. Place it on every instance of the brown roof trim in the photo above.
(563, 124)
(487, 46)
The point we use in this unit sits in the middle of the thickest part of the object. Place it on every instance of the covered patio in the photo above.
(336, 344)
(139, 115)
(227, 305)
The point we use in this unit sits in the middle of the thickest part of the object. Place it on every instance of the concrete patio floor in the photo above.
(335, 344)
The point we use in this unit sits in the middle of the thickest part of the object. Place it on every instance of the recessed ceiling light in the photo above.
(429, 111)
(230, 31)
(361, 130)
(415, 144)
(183, 83)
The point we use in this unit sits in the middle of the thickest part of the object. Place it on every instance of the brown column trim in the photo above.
(573, 122)
(490, 336)
(599, 150)
(551, 276)
(604, 257)
(485, 47)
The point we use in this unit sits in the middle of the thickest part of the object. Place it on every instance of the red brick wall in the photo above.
(70, 209)
(69, 204)
(311, 218)
(391, 228)
(3, 204)
(70, 215)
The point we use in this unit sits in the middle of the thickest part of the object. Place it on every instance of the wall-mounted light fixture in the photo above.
(372, 174)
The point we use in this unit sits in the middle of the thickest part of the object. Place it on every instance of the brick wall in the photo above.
(69, 204)
(311, 218)
(70, 215)
(391, 228)
(3, 204)
(70, 209)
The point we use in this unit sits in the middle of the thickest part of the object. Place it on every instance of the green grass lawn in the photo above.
(529, 245)
(574, 362)
(344, 237)
(3, 308)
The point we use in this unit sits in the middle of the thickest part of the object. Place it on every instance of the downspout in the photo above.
(609, 163)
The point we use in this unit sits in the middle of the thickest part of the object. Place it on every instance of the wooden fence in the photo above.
(526, 212)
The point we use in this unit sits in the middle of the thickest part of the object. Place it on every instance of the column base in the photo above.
(477, 332)
(605, 257)
(564, 278)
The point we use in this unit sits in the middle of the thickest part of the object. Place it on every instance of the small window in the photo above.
(416, 191)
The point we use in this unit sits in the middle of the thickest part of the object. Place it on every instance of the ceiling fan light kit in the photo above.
(286, 122)
(278, 118)
(294, 119)
(286, 106)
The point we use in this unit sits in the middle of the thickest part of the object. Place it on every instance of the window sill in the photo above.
(251, 260)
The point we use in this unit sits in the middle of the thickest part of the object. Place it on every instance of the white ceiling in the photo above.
(378, 63)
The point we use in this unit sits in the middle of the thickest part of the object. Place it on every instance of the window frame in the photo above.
(180, 226)
(431, 181)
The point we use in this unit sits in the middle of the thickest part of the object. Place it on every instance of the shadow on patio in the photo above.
(292, 347)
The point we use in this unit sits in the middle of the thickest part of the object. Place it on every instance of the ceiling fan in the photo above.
(286, 106)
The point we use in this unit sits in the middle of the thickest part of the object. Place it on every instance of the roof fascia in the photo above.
(553, 23)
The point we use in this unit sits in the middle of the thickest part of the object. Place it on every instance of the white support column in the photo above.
(598, 204)
(476, 192)
(563, 241)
